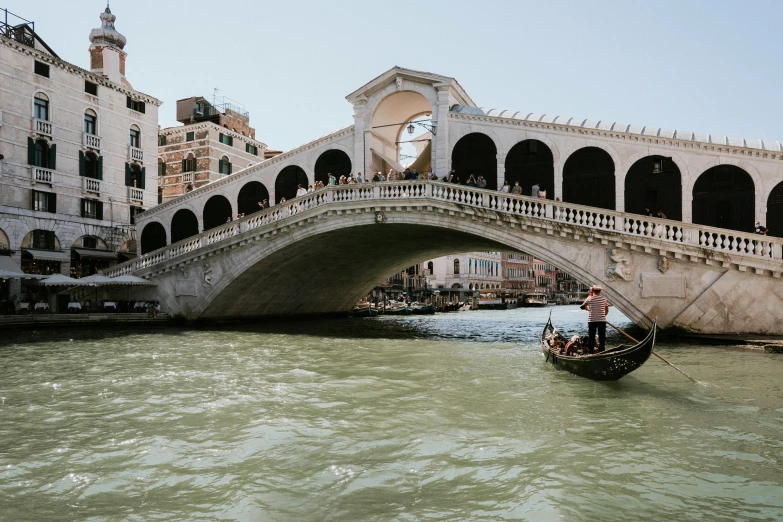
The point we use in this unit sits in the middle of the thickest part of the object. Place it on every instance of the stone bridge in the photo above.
(322, 252)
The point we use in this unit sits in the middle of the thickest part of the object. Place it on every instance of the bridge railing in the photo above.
(631, 225)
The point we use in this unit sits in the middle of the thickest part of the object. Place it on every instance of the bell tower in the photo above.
(107, 57)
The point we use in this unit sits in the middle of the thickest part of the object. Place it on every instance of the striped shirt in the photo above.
(597, 307)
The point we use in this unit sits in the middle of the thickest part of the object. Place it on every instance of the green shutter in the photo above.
(81, 163)
(53, 203)
(184, 165)
(99, 210)
(143, 181)
(30, 151)
(220, 166)
(230, 168)
(53, 157)
(100, 167)
(84, 207)
(127, 175)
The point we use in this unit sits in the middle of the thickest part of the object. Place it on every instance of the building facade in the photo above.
(214, 141)
(517, 279)
(473, 271)
(75, 147)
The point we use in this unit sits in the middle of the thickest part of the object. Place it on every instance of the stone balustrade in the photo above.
(91, 141)
(135, 194)
(624, 227)
(42, 175)
(91, 185)
(43, 127)
(135, 154)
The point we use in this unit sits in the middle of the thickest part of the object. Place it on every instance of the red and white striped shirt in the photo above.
(597, 306)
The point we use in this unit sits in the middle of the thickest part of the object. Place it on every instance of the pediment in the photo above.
(390, 76)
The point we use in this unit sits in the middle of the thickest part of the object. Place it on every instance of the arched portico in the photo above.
(724, 197)
(335, 162)
(217, 211)
(775, 211)
(475, 154)
(250, 195)
(153, 237)
(654, 183)
(184, 224)
(588, 178)
(388, 124)
(531, 162)
(288, 181)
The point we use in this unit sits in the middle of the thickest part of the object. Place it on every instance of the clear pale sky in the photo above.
(703, 66)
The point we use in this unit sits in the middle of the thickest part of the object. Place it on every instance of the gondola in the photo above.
(608, 365)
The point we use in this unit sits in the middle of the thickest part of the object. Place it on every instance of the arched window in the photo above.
(153, 237)
(41, 106)
(456, 267)
(224, 166)
(431, 268)
(91, 166)
(476, 155)
(135, 137)
(135, 176)
(724, 197)
(161, 167)
(90, 122)
(41, 154)
(588, 178)
(189, 163)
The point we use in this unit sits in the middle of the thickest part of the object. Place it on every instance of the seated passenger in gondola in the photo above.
(597, 305)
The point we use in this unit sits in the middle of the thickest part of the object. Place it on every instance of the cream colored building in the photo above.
(79, 149)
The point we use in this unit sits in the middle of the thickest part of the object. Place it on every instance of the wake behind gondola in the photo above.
(608, 365)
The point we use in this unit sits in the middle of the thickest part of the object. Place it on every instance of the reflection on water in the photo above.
(452, 416)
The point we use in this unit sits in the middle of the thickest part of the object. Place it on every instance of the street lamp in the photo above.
(411, 128)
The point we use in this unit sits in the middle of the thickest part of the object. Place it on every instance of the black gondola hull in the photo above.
(607, 366)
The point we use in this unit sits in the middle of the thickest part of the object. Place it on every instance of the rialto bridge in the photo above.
(700, 269)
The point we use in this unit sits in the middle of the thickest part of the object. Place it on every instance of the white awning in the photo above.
(49, 255)
(10, 270)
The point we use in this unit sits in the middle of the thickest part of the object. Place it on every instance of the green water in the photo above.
(447, 417)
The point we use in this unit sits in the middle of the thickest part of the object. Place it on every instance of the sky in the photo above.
(693, 65)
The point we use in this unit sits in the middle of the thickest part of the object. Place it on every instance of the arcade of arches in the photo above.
(217, 211)
(724, 197)
(390, 118)
(153, 237)
(184, 224)
(287, 182)
(332, 161)
(530, 162)
(475, 154)
(654, 183)
(250, 195)
(588, 178)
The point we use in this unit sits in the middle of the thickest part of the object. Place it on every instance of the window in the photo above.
(226, 139)
(431, 268)
(41, 69)
(190, 136)
(90, 122)
(90, 88)
(92, 165)
(189, 164)
(135, 137)
(41, 106)
(92, 209)
(42, 154)
(161, 140)
(161, 167)
(456, 267)
(251, 149)
(44, 201)
(134, 175)
(44, 239)
(224, 166)
(135, 105)
(135, 211)
(90, 242)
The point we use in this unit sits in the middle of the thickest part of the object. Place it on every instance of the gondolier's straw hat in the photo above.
(598, 288)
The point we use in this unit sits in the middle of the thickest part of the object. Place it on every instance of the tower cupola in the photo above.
(107, 57)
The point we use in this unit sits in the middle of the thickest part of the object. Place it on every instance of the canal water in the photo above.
(445, 417)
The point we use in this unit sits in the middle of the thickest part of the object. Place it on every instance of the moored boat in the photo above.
(422, 309)
(534, 300)
(396, 308)
(364, 310)
(608, 365)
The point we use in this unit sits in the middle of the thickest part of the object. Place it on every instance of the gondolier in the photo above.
(597, 305)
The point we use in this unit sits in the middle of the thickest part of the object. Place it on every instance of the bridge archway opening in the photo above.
(724, 197)
(217, 211)
(588, 178)
(333, 161)
(250, 195)
(531, 162)
(654, 183)
(184, 224)
(389, 138)
(475, 154)
(288, 181)
(775, 211)
(153, 237)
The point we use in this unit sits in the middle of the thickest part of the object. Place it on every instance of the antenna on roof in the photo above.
(214, 96)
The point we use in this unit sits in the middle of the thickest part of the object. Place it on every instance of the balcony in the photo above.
(42, 127)
(91, 185)
(91, 141)
(187, 177)
(135, 154)
(42, 175)
(135, 194)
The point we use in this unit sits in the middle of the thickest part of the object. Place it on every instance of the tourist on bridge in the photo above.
(359, 178)
(542, 192)
(471, 181)
(301, 191)
(760, 229)
(332, 180)
(310, 189)
(482, 183)
(517, 188)
(534, 190)
(506, 188)
(597, 306)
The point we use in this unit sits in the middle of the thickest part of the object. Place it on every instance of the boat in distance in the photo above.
(609, 365)
(534, 300)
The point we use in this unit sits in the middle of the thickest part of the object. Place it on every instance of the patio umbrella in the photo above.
(131, 280)
(59, 280)
(95, 280)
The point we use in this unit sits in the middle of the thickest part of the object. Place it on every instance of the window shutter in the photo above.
(142, 107)
(99, 210)
(128, 102)
(53, 157)
(143, 180)
(230, 168)
(81, 164)
(184, 165)
(32, 200)
(127, 175)
(53, 203)
(84, 207)
(30, 151)
(100, 167)
(220, 166)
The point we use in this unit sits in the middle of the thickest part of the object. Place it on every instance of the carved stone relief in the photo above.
(619, 266)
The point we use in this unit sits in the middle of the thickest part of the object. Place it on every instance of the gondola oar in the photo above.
(657, 355)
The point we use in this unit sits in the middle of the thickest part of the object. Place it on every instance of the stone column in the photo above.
(619, 191)
(501, 173)
(362, 157)
(558, 188)
(441, 161)
(687, 206)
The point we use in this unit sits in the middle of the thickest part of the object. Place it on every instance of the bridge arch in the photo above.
(389, 114)
(287, 182)
(531, 161)
(476, 154)
(184, 224)
(654, 183)
(589, 178)
(153, 237)
(334, 161)
(724, 196)
(217, 210)
(250, 195)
